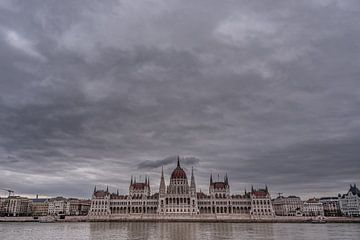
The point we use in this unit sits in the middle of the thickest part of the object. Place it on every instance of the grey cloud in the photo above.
(266, 91)
(167, 161)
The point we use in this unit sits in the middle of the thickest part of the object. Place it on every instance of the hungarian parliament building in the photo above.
(180, 198)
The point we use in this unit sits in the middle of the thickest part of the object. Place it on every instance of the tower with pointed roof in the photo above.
(162, 188)
(139, 190)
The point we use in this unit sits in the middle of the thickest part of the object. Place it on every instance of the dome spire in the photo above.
(178, 161)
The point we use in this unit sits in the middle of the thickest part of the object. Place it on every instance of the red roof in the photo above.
(219, 185)
(260, 193)
(100, 194)
(114, 196)
(178, 173)
(138, 185)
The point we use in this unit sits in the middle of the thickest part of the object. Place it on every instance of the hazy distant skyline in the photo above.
(92, 92)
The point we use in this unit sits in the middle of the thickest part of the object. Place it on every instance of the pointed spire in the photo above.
(145, 180)
(131, 183)
(252, 188)
(192, 184)
(211, 179)
(117, 192)
(226, 179)
(266, 188)
(178, 161)
(148, 181)
(162, 182)
(107, 188)
(245, 191)
(95, 189)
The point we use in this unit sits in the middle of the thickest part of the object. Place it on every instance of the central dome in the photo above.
(178, 172)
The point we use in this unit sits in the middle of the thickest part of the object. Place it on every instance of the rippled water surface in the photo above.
(79, 231)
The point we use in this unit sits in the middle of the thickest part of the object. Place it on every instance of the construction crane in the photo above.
(8, 190)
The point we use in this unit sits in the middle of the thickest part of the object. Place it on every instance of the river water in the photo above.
(177, 231)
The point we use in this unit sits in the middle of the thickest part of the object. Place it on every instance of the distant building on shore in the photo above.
(350, 202)
(18, 206)
(288, 206)
(39, 206)
(331, 206)
(313, 207)
(181, 198)
(68, 206)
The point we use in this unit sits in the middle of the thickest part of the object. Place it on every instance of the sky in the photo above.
(94, 92)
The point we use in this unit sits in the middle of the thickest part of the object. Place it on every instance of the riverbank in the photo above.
(210, 218)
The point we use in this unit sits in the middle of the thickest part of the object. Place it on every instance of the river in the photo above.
(177, 231)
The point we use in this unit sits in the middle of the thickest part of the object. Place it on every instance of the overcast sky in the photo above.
(92, 92)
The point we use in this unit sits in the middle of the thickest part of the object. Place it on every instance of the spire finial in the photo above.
(107, 188)
(95, 189)
(211, 179)
(178, 161)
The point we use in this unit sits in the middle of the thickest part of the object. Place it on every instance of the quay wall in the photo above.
(184, 218)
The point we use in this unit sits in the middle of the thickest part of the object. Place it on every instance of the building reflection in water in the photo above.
(179, 230)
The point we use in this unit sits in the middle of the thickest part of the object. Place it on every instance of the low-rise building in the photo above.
(3, 206)
(313, 207)
(77, 206)
(350, 202)
(58, 205)
(39, 207)
(288, 206)
(331, 206)
(18, 206)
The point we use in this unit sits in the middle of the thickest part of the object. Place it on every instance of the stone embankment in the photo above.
(184, 218)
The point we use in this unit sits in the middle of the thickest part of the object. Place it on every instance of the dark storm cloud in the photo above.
(167, 161)
(94, 92)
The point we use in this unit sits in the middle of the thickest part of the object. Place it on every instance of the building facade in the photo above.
(18, 206)
(58, 206)
(3, 206)
(350, 202)
(288, 206)
(331, 206)
(313, 207)
(76, 207)
(261, 204)
(39, 206)
(180, 197)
